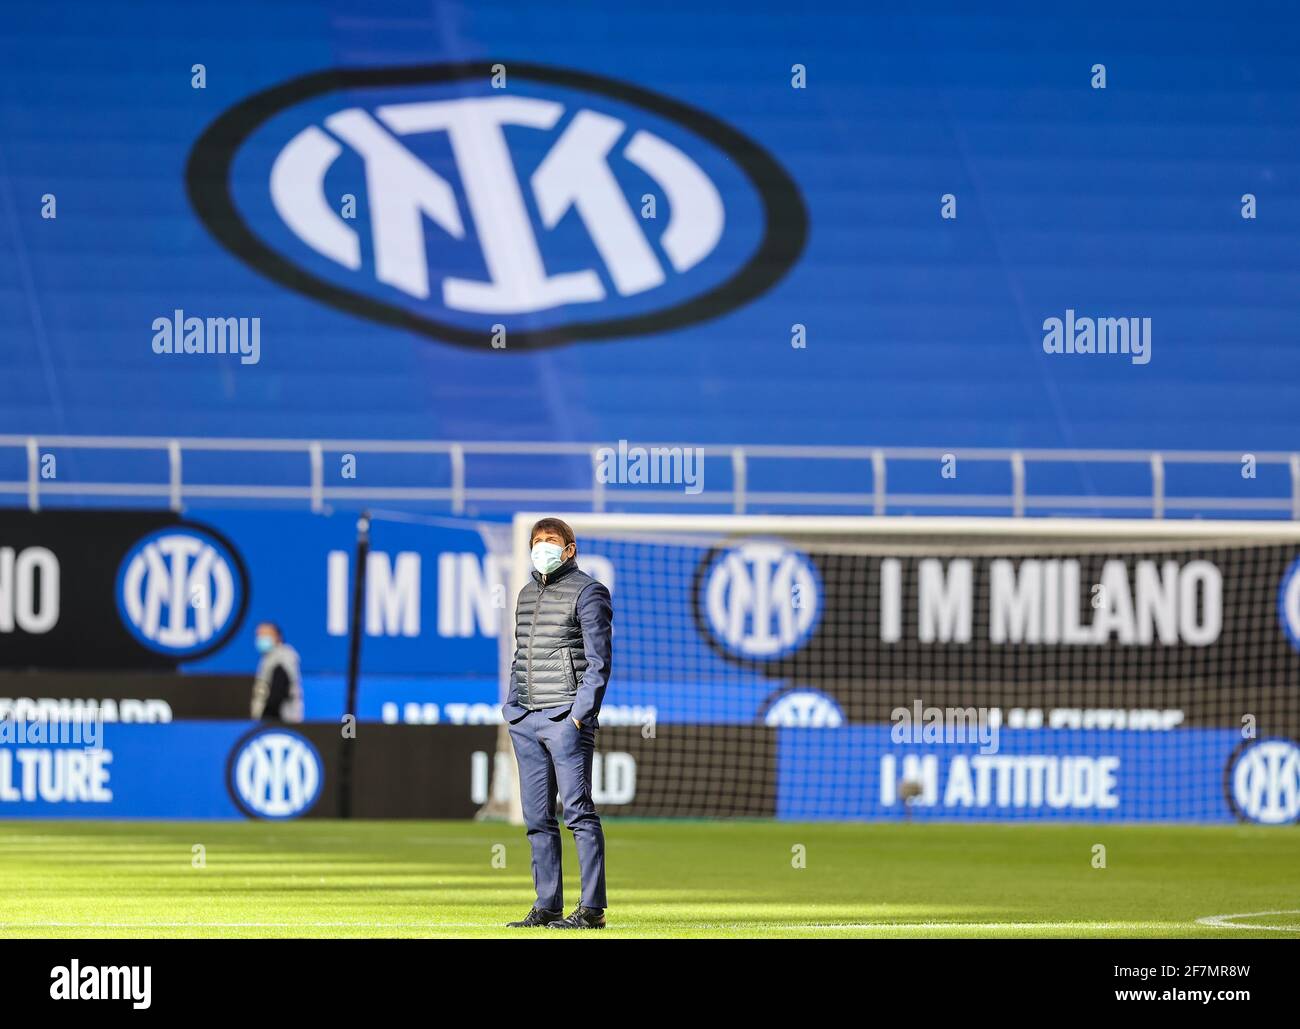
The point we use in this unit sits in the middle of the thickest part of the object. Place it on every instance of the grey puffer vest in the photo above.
(549, 657)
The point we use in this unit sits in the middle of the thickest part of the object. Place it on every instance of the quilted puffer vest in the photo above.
(549, 656)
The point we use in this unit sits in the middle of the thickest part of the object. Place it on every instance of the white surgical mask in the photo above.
(547, 557)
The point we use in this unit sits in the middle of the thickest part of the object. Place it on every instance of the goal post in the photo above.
(828, 667)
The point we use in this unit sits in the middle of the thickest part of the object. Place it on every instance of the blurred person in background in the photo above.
(277, 686)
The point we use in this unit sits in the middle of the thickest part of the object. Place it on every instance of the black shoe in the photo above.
(535, 919)
(582, 918)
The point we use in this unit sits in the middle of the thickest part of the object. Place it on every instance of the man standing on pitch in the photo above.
(561, 667)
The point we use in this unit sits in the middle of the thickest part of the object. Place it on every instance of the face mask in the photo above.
(263, 644)
(547, 557)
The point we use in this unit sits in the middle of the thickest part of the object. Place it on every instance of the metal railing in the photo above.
(456, 493)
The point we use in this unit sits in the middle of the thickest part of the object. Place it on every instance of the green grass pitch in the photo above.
(668, 879)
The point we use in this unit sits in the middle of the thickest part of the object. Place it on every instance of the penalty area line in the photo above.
(974, 926)
(1230, 921)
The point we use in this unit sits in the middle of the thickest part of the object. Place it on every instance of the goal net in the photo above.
(943, 668)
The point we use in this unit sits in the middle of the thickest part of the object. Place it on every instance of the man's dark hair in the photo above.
(555, 525)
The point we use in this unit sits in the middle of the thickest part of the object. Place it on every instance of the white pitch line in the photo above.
(983, 926)
(1230, 921)
(1210, 921)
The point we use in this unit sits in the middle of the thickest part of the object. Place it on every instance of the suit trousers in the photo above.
(556, 756)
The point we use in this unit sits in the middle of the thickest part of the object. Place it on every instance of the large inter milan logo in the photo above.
(477, 202)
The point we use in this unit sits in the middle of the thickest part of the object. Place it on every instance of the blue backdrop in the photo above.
(1117, 202)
